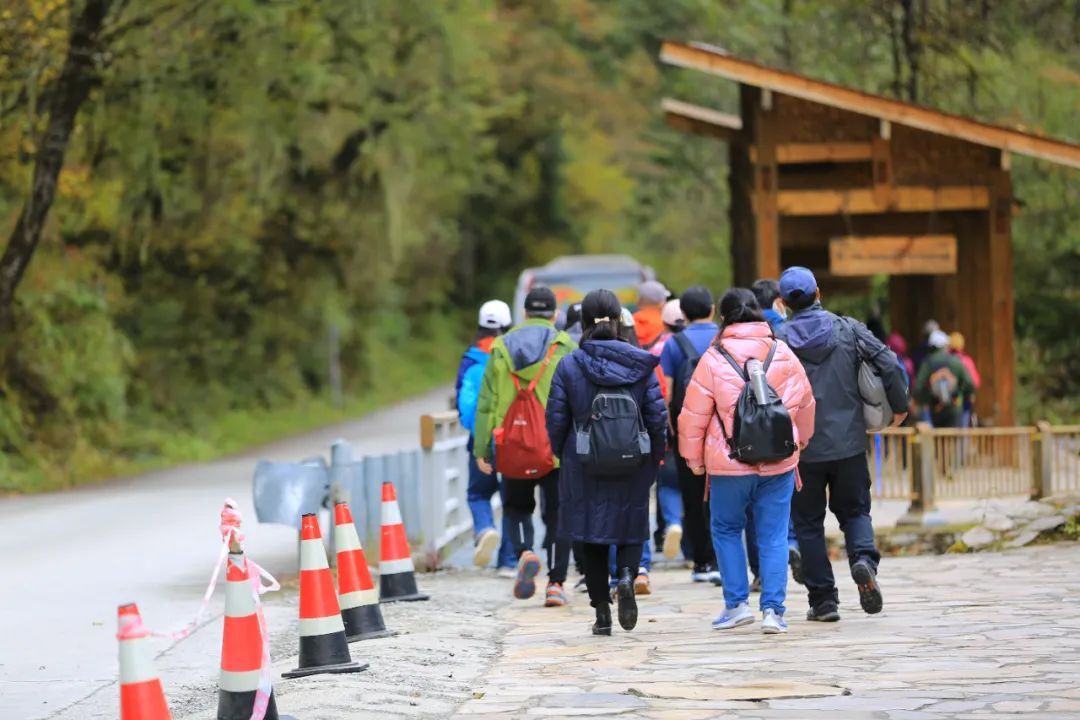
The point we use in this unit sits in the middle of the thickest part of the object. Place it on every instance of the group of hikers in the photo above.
(747, 414)
(943, 376)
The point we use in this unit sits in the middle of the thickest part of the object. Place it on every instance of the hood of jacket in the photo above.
(526, 345)
(611, 363)
(476, 355)
(648, 324)
(811, 333)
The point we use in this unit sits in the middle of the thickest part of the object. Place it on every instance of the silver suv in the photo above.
(572, 276)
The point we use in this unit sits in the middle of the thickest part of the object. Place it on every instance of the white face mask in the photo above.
(779, 308)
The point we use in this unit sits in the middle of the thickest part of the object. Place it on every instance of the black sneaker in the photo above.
(823, 612)
(602, 626)
(794, 558)
(627, 603)
(869, 590)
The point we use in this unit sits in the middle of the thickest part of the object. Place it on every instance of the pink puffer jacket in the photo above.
(715, 389)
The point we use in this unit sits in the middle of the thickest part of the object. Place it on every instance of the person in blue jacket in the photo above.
(599, 511)
(494, 320)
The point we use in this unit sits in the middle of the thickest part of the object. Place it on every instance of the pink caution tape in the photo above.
(231, 520)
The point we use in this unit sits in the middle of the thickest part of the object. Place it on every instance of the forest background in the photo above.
(250, 188)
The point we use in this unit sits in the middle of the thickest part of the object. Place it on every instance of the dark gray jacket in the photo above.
(826, 346)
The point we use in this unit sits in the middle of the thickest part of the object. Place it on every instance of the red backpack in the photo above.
(522, 448)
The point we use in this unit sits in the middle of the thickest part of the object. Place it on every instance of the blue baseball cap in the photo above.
(796, 282)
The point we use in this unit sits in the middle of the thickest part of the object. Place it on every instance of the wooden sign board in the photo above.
(893, 255)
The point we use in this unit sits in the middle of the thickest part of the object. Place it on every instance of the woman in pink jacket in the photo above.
(735, 486)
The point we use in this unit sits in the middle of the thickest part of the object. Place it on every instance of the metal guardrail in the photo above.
(926, 464)
(431, 483)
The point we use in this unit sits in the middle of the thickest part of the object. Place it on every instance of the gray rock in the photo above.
(1032, 509)
(998, 522)
(1043, 524)
(1022, 539)
(977, 537)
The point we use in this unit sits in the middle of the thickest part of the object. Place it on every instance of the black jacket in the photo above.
(826, 346)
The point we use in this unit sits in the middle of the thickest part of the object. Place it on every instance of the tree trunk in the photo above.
(912, 48)
(70, 90)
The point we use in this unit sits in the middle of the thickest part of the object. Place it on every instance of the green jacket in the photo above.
(935, 361)
(521, 351)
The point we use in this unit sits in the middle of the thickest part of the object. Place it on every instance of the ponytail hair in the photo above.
(739, 305)
(600, 313)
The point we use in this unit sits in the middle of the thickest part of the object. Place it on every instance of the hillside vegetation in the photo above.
(248, 185)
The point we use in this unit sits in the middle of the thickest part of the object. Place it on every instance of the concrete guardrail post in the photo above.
(1042, 461)
(923, 510)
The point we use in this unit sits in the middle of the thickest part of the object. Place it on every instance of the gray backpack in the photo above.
(877, 412)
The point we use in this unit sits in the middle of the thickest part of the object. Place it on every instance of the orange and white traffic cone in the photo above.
(356, 592)
(397, 574)
(141, 696)
(241, 648)
(323, 648)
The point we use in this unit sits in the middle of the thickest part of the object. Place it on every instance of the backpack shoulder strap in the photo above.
(541, 371)
(731, 361)
(769, 357)
(687, 347)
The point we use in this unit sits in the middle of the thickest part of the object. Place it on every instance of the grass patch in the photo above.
(413, 368)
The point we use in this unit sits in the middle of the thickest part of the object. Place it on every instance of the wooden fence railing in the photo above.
(924, 464)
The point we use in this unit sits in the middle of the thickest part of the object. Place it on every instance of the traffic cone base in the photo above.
(397, 575)
(323, 648)
(237, 706)
(365, 622)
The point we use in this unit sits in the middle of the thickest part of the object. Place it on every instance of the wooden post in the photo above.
(1001, 363)
(1042, 462)
(922, 507)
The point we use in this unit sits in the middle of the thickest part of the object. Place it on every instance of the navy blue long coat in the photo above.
(606, 510)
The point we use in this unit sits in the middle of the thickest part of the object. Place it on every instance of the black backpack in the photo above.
(759, 433)
(614, 440)
(681, 382)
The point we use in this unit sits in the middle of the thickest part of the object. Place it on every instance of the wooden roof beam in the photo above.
(864, 201)
(701, 120)
(718, 62)
(826, 152)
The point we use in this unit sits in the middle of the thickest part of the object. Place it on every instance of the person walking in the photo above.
(707, 423)
(604, 393)
(678, 360)
(669, 505)
(956, 348)
(944, 385)
(833, 466)
(767, 293)
(494, 320)
(648, 320)
(525, 359)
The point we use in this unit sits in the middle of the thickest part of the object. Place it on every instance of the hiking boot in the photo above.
(734, 617)
(487, 543)
(772, 623)
(755, 585)
(673, 541)
(823, 612)
(556, 596)
(794, 558)
(627, 603)
(869, 590)
(602, 626)
(527, 569)
(641, 584)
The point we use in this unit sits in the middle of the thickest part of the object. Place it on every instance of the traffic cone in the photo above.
(359, 599)
(397, 575)
(323, 648)
(141, 696)
(241, 648)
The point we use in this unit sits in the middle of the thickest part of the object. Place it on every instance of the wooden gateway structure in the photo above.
(852, 185)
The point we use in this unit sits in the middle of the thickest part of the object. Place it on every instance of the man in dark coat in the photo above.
(603, 511)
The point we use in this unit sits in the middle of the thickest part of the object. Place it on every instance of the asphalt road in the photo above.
(68, 559)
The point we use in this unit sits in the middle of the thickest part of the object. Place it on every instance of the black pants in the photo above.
(844, 485)
(520, 505)
(597, 579)
(695, 516)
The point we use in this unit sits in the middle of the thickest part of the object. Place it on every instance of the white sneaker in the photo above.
(773, 624)
(506, 572)
(486, 545)
(734, 617)
(708, 575)
(672, 541)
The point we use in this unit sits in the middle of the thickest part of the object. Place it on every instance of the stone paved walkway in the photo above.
(962, 636)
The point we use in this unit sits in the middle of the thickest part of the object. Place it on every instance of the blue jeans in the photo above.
(751, 541)
(482, 488)
(770, 498)
(646, 561)
(668, 492)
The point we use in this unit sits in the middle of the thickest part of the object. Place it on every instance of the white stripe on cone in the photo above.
(313, 555)
(239, 681)
(358, 598)
(391, 567)
(136, 662)
(310, 627)
(239, 601)
(391, 513)
(346, 539)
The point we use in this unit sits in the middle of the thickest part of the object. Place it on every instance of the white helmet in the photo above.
(494, 314)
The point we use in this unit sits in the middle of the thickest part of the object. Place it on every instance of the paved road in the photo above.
(962, 636)
(68, 559)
